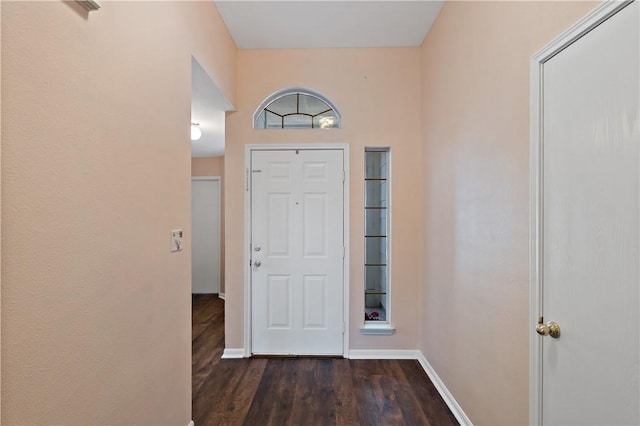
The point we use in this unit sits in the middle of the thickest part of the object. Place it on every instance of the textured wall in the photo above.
(96, 312)
(475, 116)
(214, 166)
(377, 92)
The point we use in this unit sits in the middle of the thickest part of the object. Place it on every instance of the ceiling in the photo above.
(326, 24)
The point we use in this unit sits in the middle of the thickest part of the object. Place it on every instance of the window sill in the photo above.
(377, 329)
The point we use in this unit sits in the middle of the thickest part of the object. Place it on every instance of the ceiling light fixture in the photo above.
(196, 133)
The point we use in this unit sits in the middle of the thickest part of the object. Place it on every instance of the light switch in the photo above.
(176, 240)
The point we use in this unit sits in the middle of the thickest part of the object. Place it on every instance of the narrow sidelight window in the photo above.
(376, 235)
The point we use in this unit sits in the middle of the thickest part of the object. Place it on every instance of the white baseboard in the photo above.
(233, 353)
(222, 296)
(451, 402)
(192, 423)
(383, 354)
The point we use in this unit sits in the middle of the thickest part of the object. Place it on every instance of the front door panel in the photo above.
(297, 234)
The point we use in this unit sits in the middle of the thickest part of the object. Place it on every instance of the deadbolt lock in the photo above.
(549, 329)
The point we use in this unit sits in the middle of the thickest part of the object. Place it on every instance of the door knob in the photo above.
(257, 263)
(551, 328)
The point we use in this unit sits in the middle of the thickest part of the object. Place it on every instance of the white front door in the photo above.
(297, 243)
(590, 215)
(205, 231)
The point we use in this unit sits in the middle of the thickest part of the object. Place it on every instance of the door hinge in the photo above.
(246, 179)
(343, 251)
(343, 328)
(344, 176)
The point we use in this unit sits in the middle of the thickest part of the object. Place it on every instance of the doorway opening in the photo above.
(208, 112)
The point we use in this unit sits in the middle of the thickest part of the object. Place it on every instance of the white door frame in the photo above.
(607, 9)
(248, 149)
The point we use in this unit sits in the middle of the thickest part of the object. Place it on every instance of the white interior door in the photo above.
(590, 227)
(297, 252)
(205, 230)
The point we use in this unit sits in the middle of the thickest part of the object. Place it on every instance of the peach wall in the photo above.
(376, 91)
(214, 166)
(207, 166)
(475, 115)
(96, 312)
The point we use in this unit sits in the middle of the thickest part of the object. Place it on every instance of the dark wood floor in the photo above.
(303, 391)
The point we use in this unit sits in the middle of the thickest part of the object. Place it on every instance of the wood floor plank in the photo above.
(233, 408)
(210, 398)
(324, 409)
(273, 399)
(303, 391)
(207, 310)
(207, 337)
(432, 404)
(406, 398)
(346, 411)
(283, 391)
(205, 366)
(364, 382)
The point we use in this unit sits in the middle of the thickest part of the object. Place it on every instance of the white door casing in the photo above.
(205, 231)
(585, 261)
(297, 254)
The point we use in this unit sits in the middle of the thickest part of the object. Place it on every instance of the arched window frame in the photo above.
(291, 91)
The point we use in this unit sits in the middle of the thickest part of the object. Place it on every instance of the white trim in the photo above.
(192, 423)
(451, 402)
(222, 296)
(384, 354)
(233, 353)
(346, 273)
(247, 232)
(373, 329)
(604, 11)
(383, 328)
(247, 252)
(205, 178)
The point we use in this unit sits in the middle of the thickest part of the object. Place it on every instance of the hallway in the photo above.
(297, 391)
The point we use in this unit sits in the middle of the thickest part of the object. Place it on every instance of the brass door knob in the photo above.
(549, 329)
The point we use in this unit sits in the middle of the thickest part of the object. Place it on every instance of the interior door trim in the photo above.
(603, 12)
(248, 149)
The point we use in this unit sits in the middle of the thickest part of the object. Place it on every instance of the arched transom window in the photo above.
(296, 108)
